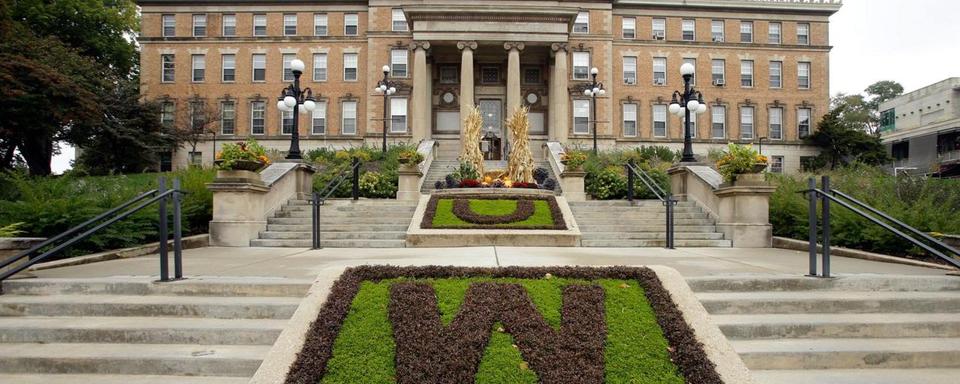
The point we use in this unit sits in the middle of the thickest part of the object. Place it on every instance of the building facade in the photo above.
(921, 129)
(762, 66)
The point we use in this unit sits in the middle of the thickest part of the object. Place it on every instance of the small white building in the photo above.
(921, 129)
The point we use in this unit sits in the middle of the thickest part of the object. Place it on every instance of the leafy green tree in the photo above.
(863, 111)
(882, 91)
(844, 142)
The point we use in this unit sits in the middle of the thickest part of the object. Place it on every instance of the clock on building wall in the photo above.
(447, 98)
(532, 98)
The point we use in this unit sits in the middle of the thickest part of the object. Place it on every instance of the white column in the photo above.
(559, 96)
(466, 79)
(421, 92)
(513, 75)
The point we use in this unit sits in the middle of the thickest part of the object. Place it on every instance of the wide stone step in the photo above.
(194, 286)
(337, 221)
(343, 209)
(150, 306)
(940, 352)
(839, 282)
(356, 203)
(336, 235)
(136, 359)
(829, 302)
(37, 378)
(382, 214)
(339, 227)
(858, 376)
(651, 226)
(632, 217)
(328, 243)
(653, 243)
(651, 236)
(588, 211)
(625, 203)
(139, 330)
(873, 325)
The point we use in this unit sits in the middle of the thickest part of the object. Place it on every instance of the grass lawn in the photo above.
(635, 349)
(445, 217)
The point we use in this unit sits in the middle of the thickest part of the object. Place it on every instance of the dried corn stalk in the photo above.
(470, 143)
(520, 161)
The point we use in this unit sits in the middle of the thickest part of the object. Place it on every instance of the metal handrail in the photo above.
(330, 188)
(665, 198)
(648, 181)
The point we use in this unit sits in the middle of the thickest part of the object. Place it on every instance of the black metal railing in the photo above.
(319, 197)
(161, 195)
(826, 195)
(634, 172)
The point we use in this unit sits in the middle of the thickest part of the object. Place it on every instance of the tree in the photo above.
(843, 142)
(195, 121)
(882, 91)
(863, 111)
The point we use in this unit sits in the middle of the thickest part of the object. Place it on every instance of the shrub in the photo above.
(540, 174)
(438, 185)
(739, 159)
(12, 230)
(607, 177)
(550, 184)
(469, 183)
(466, 171)
(332, 164)
(374, 184)
(241, 151)
(409, 156)
(574, 159)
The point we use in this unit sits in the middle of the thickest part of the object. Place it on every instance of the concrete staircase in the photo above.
(343, 224)
(134, 331)
(855, 329)
(441, 168)
(618, 223)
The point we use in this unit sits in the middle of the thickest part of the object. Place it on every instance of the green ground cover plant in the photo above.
(606, 177)
(378, 170)
(50, 205)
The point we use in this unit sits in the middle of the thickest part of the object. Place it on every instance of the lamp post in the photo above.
(594, 89)
(760, 141)
(290, 99)
(386, 88)
(683, 104)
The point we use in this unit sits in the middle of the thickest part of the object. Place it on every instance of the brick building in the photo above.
(762, 66)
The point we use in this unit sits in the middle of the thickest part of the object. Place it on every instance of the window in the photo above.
(776, 164)
(803, 75)
(900, 151)
(287, 66)
(531, 75)
(773, 33)
(228, 68)
(746, 31)
(659, 70)
(803, 34)
(630, 120)
(717, 71)
(718, 126)
(489, 75)
(659, 29)
(449, 74)
(290, 24)
(320, 24)
(199, 25)
(258, 114)
(230, 25)
(228, 118)
(581, 65)
(260, 25)
(398, 115)
(630, 70)
(746, 122)
(349, 113)
(319, 123)
(776, 123)
(581, 116)
(688, 28)
(398, 63)
(167, 115)
(803, 122)
(659, 120)
(693, 125)
(168, 68)
(399, 20)
(286, 122)
(259, 67)
(199, 67)
(746, 73)
(582, 23)
(169, 25)
(350, 24)
(776, 71)
(629, 28)
(319, 67)
(350, 67)
(716, 31)
(693, 62)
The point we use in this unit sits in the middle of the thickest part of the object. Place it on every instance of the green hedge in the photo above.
(378, 171)
(928, 204)
(50, 205)
(607, 177)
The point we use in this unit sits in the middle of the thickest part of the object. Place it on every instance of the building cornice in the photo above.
(827, 7)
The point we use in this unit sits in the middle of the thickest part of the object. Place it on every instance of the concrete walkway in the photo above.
(303, 263)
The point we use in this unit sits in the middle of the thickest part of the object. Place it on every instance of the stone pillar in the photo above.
(421, 92)
(408, 184)
(238, 207)
(466, 80)
(572, 184)
(559, 96)
(513, 75)
(745, 215)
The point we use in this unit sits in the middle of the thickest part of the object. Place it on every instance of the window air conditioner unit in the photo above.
(630, 81)
(659, 81)
(658, 36)
(718, 39)
(718, 82)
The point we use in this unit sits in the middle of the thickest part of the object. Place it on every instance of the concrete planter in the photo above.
(408, 182)
(572, 184)
(748, 179)
(10, 246)
(238, 176)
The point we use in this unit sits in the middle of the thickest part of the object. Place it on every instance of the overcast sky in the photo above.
(912, 42)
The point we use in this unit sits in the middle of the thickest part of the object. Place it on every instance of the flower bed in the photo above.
(383, 324)
(492, 212)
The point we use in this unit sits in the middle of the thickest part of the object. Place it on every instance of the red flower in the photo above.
(521, 184)
(469, 183)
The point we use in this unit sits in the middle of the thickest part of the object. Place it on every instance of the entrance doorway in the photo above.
(491, 111)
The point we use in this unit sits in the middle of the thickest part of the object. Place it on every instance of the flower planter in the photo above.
(749, 179)
(237, 176)
(243, 165)
(759, 167)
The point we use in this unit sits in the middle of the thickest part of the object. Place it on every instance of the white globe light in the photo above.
(309, 105)
(674, 108)
(587, 92)
(281, 105)
(702, 108)
(385, 68)
(393, 90)
(378, 90)
(290, 101)
(692, 105)
(383, 88)
(594, 71)
(297, 65)
(687, 69)
(603, 92)
(595, 90)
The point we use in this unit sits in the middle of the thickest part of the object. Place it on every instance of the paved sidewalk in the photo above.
(306, 263)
